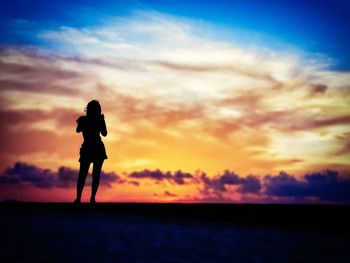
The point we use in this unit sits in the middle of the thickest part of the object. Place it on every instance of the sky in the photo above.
(225, 101)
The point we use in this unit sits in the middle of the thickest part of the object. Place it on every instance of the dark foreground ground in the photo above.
(111, 232)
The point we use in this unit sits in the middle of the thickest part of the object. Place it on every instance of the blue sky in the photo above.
(317, 27)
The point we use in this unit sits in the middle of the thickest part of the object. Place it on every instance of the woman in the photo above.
(92, 150)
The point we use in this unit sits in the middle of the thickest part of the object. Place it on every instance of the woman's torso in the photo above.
(91, 128)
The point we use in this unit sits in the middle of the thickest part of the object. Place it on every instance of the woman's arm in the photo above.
(103, 126)
(78, 129)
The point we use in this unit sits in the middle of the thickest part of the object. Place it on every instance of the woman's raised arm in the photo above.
(78, 129)
(103, 126)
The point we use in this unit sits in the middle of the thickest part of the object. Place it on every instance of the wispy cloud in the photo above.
(175, 96)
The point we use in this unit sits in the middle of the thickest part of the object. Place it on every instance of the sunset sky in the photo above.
(211, 102)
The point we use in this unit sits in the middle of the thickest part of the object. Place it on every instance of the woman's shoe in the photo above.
(77, 201)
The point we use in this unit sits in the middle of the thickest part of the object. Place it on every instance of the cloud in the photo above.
(326, 185)
(135, 183)
(165, 194)
(49, 127)
(177, 177)
(65, 177)
(26, 70)
(293, 120)
(318, 89)
(345, 145)
(62, 117)
(323, 187)
(249, 184)
(25, 173)
(19, 141)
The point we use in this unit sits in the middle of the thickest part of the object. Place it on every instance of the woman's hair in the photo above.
(93, 108)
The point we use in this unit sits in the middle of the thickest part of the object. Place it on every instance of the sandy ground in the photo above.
(71, 236)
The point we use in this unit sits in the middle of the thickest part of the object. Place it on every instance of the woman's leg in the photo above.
(83, 171)
(96, 171)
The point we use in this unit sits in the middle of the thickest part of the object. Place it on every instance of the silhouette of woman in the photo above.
(92, 150)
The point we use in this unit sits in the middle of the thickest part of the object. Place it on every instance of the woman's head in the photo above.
(93, 108)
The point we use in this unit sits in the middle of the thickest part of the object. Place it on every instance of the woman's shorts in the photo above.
(92, 152)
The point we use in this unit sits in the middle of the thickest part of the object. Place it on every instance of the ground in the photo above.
(73, 235)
